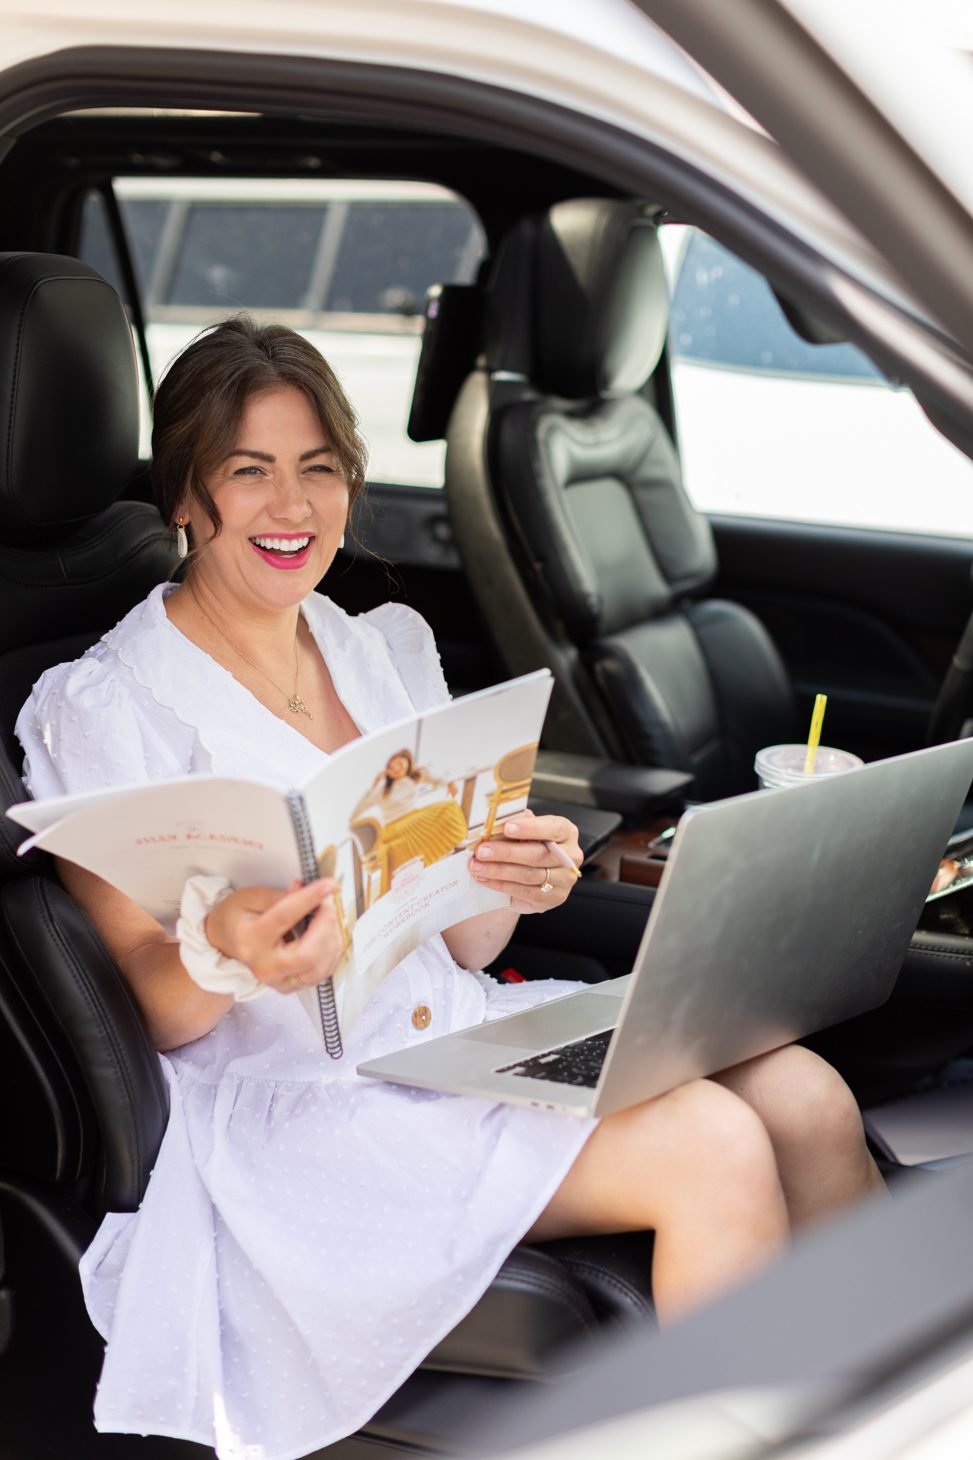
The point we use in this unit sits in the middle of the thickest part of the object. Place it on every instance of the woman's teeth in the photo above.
(281, 544)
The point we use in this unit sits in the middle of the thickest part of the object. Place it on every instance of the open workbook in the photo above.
(391, 816)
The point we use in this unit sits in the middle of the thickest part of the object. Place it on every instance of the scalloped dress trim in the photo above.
(357, 653)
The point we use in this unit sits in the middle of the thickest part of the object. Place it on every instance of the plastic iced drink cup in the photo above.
(783, 765)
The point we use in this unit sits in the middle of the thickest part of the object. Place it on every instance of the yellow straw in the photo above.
(814, 734)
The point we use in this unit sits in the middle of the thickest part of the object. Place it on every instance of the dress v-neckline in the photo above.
(247, 696)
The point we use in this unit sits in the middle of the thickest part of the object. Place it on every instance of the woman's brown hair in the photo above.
(412, 773)
(203, 394)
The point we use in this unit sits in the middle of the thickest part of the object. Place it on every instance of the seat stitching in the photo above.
(551, 1287)
(610, 1279)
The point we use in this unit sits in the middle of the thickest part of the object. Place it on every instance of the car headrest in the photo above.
(450, 345)
(68, 396)
(578, 301)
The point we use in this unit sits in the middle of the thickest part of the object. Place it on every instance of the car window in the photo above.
(96, 247)
(386, 253)
(144, 218)
(723, 312)
(773, 426)
(347, 263)
(244, 256)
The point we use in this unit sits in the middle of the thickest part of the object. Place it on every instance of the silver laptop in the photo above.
(779, 913)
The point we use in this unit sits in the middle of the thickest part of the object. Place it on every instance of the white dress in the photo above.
(307, 1235)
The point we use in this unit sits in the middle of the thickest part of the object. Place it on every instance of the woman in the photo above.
(416, 814)
(400, 785)
(307, 1236)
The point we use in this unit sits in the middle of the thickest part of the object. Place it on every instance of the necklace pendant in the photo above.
(297, 706)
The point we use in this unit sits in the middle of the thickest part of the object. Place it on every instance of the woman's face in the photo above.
(283, 501)
(397, 767)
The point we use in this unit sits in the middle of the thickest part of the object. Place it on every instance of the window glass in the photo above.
(347, 263)
(240, 256)
(97, 248)
(772, 426)
(143, 218)
(392, 253)
(724, 312)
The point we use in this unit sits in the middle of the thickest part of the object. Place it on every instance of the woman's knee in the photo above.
(803, 1101)
(710, 1136)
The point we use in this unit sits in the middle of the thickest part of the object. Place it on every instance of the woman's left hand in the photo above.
(519, 863)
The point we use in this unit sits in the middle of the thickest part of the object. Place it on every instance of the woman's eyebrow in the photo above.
(265, 455)
(243, 451)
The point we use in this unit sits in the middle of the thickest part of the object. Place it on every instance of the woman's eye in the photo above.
(323, 468)
(247, 471)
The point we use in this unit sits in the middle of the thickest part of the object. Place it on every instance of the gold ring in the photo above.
(547, 885)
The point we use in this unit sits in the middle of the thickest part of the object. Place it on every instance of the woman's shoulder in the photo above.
(89, 722)
(401, 634)
(102, 674)
(100, 661)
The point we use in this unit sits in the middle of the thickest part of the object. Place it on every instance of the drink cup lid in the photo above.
(784, 764)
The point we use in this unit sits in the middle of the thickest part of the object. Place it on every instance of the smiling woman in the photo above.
(245, 670)
(256, 450)
(283, 505)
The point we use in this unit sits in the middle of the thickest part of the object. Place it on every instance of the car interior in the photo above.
(560, 534)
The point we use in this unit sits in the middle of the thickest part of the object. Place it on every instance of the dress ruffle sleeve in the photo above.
(85, 727)
(414, 653)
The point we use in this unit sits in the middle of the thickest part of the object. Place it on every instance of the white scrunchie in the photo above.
(206, 965)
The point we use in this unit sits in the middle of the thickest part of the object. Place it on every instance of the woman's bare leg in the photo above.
(815, 1127)
(698, 1167)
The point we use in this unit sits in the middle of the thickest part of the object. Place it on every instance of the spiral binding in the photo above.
(329, 1019)
(327, 1008)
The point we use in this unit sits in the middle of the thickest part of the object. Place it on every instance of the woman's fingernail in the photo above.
(513, 826)
(484, 852)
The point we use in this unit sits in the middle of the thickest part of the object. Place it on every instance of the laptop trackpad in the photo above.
(558, 1022)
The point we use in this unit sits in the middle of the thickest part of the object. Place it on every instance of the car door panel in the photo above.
(869, 618)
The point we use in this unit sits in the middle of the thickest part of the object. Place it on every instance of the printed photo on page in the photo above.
(398, 831)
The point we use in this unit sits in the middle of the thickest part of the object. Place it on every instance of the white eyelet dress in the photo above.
(307, 1235)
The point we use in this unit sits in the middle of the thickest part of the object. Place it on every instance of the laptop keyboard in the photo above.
(573, 1064)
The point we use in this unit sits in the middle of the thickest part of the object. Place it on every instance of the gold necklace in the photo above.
(294, 702)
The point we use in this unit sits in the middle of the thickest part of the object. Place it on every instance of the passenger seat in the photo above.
(580, 544)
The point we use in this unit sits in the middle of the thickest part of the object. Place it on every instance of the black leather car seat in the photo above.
(83, 1099)
(580, 544)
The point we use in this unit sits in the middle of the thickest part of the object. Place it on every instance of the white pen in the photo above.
(562, 857)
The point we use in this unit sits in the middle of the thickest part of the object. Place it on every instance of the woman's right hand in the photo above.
(253, 924)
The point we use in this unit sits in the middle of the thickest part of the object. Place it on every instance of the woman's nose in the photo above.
(291, 501)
